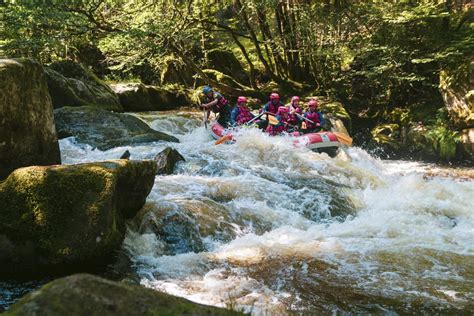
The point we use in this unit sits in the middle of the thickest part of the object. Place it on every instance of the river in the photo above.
(267, 228)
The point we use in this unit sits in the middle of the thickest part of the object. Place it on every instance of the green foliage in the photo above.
(443, 139)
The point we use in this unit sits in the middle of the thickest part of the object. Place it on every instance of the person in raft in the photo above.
(270, 107)
(240, 115)
(295, 110)
(215, 102)
(313, 115)
(282, 126)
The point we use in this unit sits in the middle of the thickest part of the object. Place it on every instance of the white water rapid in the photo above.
(266, 228)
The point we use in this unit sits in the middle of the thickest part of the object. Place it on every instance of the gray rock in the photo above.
(70, 84)
(103, 129)
(167, 159)
(27, 133)
(136, 97)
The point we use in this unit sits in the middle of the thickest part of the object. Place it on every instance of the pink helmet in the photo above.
(282, 110)
(295, 98)
(241, 100)
(313, 103)
(274, 96)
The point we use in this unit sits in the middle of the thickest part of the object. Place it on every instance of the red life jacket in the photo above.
(279, 128)
(313, 116)
(221, 102)
(244, 115)
(272, 108)
(293, 119)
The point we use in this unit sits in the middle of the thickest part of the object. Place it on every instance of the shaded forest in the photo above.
(395, 65)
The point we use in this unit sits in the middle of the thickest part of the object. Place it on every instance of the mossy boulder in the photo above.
(103, 129)
(174, 71)
(85, 294)
(457, 89)
(71, 84)
(27, 132)
(135, 97)
(57, 219)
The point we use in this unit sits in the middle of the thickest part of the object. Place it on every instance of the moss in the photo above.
(84, 294)
(72, 214)
(387, 134)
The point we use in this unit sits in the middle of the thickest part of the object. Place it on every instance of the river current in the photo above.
(267, 228)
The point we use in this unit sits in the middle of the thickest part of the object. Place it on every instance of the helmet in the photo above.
(274, 96)
(241, 100)
(282, 110)
(206, 89)
(295, 98)
(313, 103)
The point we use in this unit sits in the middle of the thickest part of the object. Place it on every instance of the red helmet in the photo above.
(274, 96)
(313, 103)
(295, 98)
(282, 110)
(241, 100)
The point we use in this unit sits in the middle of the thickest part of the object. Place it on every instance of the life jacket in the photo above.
(293, 119)
(313, 116)
(270, 107)
(279, 128)
(221, 102)
(244, 115)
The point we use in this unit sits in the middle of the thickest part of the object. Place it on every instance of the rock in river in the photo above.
(85, 294)
(68, 218)
(167, 159)
(27, 133)
(103, 129)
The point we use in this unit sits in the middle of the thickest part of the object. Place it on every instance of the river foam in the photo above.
(266, 227)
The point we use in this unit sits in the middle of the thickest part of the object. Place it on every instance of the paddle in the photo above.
(223, 139)
(272, 120)
(204, 118)
(255, 118)
(342, 137)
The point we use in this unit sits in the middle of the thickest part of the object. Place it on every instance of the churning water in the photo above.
(267, 228)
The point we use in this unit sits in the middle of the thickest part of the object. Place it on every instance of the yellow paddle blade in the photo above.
(273, 120)
(223, 139)
(343, 138)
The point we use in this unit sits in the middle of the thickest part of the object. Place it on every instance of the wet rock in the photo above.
(85, 294)
(70, 84)
(104, 129)
(69, 218)
(125, 155)
(167, 159)
(27, 133)
(135, 97)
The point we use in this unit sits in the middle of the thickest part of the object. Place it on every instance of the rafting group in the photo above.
(275, 118)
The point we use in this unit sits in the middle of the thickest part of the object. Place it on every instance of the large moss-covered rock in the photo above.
(70, 84)
(457, 89)
(103, 129)
(175, 71)
(27, 133)
(60, 218)
(135, 97)
(85, 294)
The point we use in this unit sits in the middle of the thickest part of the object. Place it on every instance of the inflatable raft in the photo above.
(322, 142)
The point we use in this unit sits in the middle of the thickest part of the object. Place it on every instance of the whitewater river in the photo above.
(266, 228)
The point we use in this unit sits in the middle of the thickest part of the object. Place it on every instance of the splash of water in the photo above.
(268, 228)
